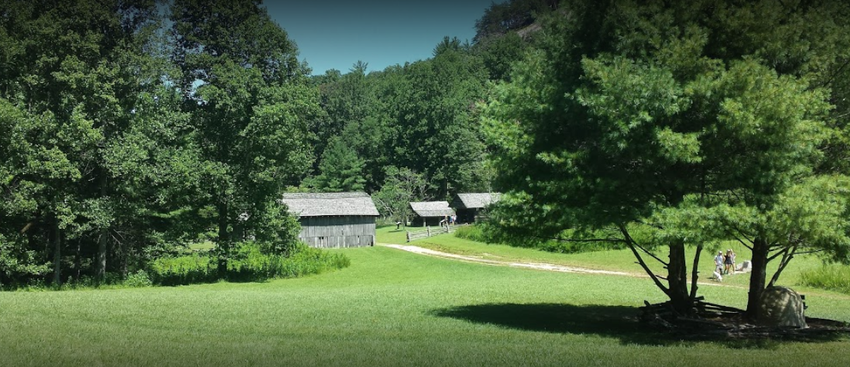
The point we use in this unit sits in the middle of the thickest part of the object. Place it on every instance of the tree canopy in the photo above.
(631, 109)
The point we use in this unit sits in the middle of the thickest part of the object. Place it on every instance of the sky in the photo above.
(334, 34)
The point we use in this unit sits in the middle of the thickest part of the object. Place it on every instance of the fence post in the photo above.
(428, 229)
(408, 236)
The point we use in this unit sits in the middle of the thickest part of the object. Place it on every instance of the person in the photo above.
(454, 219)
(718, 262)
(730, 261)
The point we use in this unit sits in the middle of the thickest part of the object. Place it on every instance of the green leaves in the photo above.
(342, 169)
(702, 121)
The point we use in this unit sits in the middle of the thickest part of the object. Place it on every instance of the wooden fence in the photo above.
(427, 232)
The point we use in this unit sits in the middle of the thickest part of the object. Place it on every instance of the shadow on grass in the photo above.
(619, 322)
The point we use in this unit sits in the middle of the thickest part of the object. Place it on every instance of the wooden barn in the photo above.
(470, 206)
(430, 213)
(333, 220)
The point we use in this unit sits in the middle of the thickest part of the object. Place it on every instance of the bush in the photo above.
(833, 277)
(250, 264)
(187, 269)
(472, 233)
(138, 279)
(247, 262)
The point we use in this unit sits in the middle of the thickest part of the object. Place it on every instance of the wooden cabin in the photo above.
(334, 220)
(430, 213)
(471, 206)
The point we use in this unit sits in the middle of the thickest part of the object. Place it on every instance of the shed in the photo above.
(471, 206)
(431, 212)
(333, 220)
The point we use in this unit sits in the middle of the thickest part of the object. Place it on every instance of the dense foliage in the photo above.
(126, 138)
(130, 130)
(696, 122)
(248, 263)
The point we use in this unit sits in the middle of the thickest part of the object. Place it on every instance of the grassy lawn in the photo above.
(389, 308)
(614, 260)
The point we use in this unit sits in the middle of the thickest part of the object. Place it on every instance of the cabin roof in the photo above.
(476, 200)
(428, 209)
(330, 204)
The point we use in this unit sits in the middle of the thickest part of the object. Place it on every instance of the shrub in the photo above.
(250, 264)
(247, 262)
(138, 279)
(472, 233)
(187, 269)
(834, 277)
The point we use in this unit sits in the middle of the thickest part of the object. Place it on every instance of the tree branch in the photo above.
(832, 77)
(774, 256)
(649, 253)
(739, 240)
(742, 234)
(809, 252)
(695, 272)
(785, 260)
(630, 242)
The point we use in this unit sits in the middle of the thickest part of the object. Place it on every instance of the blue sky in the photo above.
(334, 34)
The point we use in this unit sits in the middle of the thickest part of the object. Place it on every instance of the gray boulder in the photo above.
(781, 307)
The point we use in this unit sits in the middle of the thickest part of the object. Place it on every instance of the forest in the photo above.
(130, 130)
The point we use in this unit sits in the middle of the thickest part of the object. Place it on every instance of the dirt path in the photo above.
(538, 266)
(523, 265)
(527, 265)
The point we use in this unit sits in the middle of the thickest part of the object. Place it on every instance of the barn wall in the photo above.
(336, 232)
(466, 215)
(425, 221)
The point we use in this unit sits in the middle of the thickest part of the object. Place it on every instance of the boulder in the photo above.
(745, 267)
(781, 307)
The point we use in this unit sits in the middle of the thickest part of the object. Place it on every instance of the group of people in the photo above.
(725, 264)
(449, 220)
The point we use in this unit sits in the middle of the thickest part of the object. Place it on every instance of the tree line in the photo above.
(130, 129)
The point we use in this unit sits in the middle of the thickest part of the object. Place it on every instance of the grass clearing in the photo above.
(618, 260)
(388, 308)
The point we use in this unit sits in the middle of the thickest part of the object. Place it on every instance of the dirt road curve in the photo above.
(538, 266)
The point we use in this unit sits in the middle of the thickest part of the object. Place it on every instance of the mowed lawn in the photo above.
(390, 308)
(615, 260)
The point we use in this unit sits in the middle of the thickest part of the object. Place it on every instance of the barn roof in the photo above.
(476, 200)
(330, 204)
(427, 209)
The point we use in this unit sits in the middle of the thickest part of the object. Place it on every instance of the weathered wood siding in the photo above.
(415, 233)
(428, 221)
(336, 232)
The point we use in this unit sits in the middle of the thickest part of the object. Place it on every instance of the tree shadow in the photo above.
(619, 322)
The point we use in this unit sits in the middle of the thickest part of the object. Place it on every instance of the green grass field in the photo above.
(614, 260)
(388, 308)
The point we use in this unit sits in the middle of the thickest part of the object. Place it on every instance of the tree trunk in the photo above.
(55, 238)
(677, 278)
(757, 276)
(78, 261)
(223, 238)
(101, 255)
